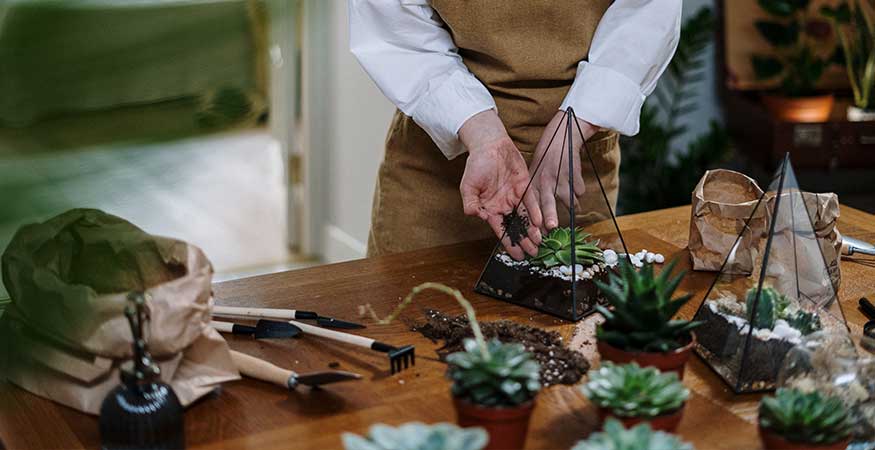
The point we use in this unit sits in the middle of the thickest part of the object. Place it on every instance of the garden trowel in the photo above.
(260, 369)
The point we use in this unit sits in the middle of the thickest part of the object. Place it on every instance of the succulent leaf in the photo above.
(642, 310)
(417, 436)
(632, 391)
(641, 437)
(810, 418)
(555, 249)
(509, 376)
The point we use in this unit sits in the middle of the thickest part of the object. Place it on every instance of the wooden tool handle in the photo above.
(260, 313)
(335, 335)
(260, 369)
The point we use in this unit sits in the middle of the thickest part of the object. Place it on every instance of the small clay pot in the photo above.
(800, 109)
(507, 427)
(673, 361)
(667, 422)
(774, 441)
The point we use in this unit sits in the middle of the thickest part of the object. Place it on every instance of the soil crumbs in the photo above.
(559, 365)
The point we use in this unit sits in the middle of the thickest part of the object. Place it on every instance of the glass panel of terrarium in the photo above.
(590, 237)
(779, 283)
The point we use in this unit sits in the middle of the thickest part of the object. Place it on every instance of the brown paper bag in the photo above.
(722, 202)
(64, 336)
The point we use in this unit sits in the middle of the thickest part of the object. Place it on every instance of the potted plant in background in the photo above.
(635, 394)
(795, 64)
(795, 420)
(494, 383)
(639, 326)
(417, 436)
(854, 22)
(641, 437)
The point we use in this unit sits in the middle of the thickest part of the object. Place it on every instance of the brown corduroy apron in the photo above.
(526, 54)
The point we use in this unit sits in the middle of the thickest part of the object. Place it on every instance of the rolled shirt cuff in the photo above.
(605, 98)
(450, 102)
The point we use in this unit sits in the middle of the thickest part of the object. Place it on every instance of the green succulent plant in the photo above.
(640, 437)
(632, 391)
(555, 248)
(417, 436)
(805, 417)
(505, 375)
(772, 306)
(642, 309)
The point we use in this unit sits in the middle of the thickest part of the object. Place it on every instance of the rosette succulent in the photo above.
(502, 376)
(631, 391)
(555, 248)
(811, 418)
(642, 310)
(640, 437)
(417, 436)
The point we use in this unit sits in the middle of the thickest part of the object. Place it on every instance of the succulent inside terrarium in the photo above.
(632, 391)
(810, 418)
(555, 249)
(417, 436)
(641, 437)
(641, 316)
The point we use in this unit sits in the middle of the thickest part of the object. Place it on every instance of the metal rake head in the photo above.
(401, 358)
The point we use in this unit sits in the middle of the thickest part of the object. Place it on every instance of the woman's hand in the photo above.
(495, 178)
(551, 179)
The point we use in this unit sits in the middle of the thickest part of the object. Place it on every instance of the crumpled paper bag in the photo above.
(65, 336)
(722, 202)
(800, 261)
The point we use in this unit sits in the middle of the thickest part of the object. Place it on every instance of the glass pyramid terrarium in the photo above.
(585, 247)
(752, 318)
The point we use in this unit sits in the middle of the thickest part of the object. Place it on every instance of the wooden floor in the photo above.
(222, 192)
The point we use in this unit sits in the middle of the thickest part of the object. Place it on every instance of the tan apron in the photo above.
(526, 55)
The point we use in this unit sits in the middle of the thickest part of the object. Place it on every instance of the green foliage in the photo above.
(772, 306)
(655, 173)
(642, 310)
(854, 22)
(504, 375)
(805, 417)
(417, 436)
(793, 61)
(632, 391)
(640, 437)
(555, 248)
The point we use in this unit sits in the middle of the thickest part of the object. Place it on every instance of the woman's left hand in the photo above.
(551, 179)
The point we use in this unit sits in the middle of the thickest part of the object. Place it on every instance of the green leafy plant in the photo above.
(555, 248)
(640, 437)
(417, 436)
(655, 149)
(805, 417)
(632, 391)
(493, 374)
(854, 22)
(642, 310)
(790, 31)
(772, 306)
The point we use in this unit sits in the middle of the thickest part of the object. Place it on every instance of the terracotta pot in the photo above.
(667, 422)
(773, 441)
(507, 427)
(673, 361)
(800, 109)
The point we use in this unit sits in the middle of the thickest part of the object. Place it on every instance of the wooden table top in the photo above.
(251, 414)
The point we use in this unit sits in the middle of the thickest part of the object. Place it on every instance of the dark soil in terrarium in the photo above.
(559, 365)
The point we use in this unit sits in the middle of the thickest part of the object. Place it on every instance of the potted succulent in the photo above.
(417, 436)
(795, 420)
(641, 437)
(494, 383)
(854, 22)
(795, 65)
(635, 394)
(639, 326)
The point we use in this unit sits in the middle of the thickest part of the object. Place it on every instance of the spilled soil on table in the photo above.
(559, 365)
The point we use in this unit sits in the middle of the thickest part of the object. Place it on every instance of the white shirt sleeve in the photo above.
(411, 57)
(632, 46)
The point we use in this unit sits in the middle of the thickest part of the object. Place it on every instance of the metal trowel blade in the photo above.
(272, 329)
(326, 377)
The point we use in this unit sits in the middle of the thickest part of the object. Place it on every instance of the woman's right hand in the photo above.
(495, 178)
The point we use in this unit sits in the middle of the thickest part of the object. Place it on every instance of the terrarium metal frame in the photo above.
(738, 387)
(514, 225)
